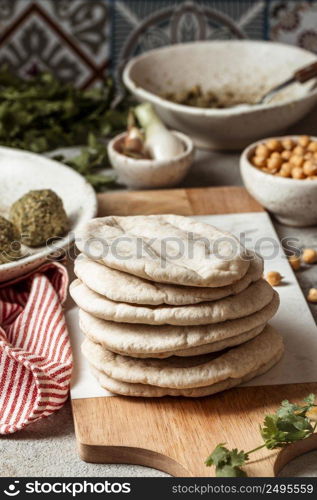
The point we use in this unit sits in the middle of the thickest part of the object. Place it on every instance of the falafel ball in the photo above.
(39, 216)
(10, 247)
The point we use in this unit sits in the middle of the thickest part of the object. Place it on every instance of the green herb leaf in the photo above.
(238, 458)
(91, 160)
(289, 424)
(42, 114)
(218, 456)
(100, 181)
(229, 471)
(227, 462)
(310, 400)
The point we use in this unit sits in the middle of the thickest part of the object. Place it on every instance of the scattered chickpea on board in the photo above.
(309, 256)
(312, 295)
(274, 278)
(288, 157)
(295, 262)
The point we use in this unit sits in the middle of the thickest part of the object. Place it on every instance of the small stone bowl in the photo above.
(147, 174)
(293, 202)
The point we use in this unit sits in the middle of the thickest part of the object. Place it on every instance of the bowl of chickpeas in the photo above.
(281, 174)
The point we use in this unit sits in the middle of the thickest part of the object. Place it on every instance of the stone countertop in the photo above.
(48, 447)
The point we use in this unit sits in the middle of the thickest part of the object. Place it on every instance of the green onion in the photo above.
(159, 141)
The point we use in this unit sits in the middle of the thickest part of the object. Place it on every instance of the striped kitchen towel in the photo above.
(35, 351)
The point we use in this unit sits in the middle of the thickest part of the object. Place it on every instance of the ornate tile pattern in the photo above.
(294, 22)
(80, 40)
(180, 21)
(71, 38)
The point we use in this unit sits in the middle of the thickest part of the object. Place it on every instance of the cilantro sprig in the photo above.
(290, 423)
(227, 462)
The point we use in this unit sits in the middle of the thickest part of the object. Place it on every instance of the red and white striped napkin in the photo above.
(35, 351)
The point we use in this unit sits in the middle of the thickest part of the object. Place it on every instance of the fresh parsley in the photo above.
(41, 114)
(290, 423)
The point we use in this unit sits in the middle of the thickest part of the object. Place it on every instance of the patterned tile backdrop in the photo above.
(69, 37)
(166, 22)
(82, 40)
(295, 23)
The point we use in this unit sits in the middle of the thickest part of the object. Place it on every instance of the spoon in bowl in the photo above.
(300, 76)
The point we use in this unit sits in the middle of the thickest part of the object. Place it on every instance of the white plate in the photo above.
(20, 172)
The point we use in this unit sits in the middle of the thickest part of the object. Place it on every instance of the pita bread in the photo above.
(251, 300)
(165, 249)
(164, 341)
(186, 373)
(193, 351)
(149, 391)
(122, 287)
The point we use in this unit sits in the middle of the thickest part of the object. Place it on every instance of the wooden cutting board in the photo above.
(175, 435)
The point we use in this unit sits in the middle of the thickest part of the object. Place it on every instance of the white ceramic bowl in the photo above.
(20, 172)
(145, 174)
(242, 66)
(292, 201)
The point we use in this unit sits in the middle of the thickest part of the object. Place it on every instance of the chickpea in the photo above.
(262, 151)
(294, 261)
(274, 145)
(312, 146)
(287, 158)
(274, 163)
(304, 140)
(286, 170)
(312, 295)
(288, 144)
(309, 168)
(309, 256)
(296, 160)
(286, 155)
(274, 278)
(259, 161)
(299, 150)
(297, 173)
(308, 156)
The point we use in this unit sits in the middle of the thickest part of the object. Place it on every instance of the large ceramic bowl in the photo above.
(246, 68)
(20, 172)
(293, 202)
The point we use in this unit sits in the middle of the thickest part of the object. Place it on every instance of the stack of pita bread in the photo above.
(171, 306)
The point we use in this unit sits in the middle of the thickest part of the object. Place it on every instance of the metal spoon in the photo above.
(300, 76)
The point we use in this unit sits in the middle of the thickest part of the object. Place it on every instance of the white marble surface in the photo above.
(48, 447)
